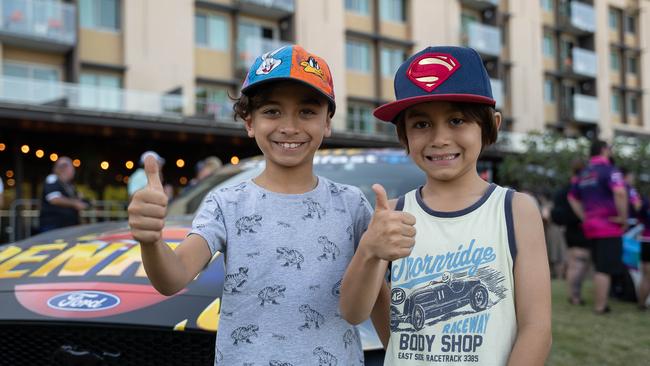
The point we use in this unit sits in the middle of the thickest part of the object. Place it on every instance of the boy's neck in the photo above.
(287, 180)
(454, 195)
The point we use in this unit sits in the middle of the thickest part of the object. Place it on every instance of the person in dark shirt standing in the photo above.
(579, 247)
(60, 203)
(599, 199)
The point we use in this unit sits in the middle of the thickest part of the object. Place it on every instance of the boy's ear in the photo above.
(328, 127)
(497, 120)
(248, 123)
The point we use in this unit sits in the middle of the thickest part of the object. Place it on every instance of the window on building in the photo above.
(547, 5)
(100, 14)
(36, 83)
(616, 102)
(548, 45)
(252, 36)
(614, 60)
(392, 10)
(391, 59)
(213, 100)
(357, 56)
(633, 105)
(632, 65)
(30, 71)
(549, 91)
(100, 91)
(359, 118)
(630, 24)
(358, 6)
(614, 16)
(211, 31)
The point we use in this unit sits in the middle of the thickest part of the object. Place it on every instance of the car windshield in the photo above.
(391, 168)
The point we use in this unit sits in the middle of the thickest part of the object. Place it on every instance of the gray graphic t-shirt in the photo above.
(285, 256)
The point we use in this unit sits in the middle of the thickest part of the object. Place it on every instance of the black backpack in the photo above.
(562, 213)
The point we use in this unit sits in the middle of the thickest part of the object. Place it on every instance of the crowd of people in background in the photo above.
(592, 212)
(61, 203)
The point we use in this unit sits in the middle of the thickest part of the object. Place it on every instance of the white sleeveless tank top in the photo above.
(452, 298)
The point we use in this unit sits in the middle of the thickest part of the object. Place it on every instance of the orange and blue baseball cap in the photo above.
(451, 74)
(291, 62)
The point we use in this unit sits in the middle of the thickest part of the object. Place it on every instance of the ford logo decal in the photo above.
(83, 301)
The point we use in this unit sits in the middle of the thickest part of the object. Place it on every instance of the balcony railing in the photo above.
(497, 91)
(76, 96)
(579, 15)
(285, 5)
(39, 19)
(484, 38)
(252, 47)
(585, 62)
(217, 110)
(585, 108)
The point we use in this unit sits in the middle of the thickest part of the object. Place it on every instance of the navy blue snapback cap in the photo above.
(452, 74)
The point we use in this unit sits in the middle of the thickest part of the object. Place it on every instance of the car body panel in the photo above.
(93, 274)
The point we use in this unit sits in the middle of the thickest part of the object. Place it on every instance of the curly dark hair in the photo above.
(247, 103)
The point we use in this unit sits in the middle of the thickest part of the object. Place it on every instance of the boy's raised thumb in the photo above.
(381, 198)
(153, 173)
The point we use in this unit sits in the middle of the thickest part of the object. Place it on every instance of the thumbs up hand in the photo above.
(391, 234)
(148, 206)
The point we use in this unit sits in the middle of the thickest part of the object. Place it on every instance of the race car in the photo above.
(80, 295)
(437, 298)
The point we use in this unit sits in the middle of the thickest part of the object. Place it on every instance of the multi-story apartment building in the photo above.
(103, 80)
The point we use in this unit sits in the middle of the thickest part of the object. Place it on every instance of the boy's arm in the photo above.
(390, 235)
(532, 286)
(380, 314)
(169, 271)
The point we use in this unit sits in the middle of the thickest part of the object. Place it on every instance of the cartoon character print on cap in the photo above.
(311, 66)
(430, 70)
(269, 63)
(312, 70)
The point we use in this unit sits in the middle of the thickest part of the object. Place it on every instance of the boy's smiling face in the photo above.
(442, 141)
(290, 125)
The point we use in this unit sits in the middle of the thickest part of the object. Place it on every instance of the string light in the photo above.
(3, 147)
(54, 157)
(10, 173)
(104, 165)
(129, 164)
(40, 153)
(183, 180)
(11, 182)
(24, 149)
(234, 160)
(76, 163)
(180, 163)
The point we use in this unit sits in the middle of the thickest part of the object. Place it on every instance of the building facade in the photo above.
(104, 80)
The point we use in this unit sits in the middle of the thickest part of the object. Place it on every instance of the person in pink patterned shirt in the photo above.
(599, 198)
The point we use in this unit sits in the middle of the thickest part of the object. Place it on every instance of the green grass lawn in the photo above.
(580, 337)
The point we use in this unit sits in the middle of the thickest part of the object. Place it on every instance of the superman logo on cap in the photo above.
(431, 69)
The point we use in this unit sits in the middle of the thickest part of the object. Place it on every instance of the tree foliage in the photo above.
(545, 164)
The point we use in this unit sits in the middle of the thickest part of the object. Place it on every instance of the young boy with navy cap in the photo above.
(287, 235)
(468, 278)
